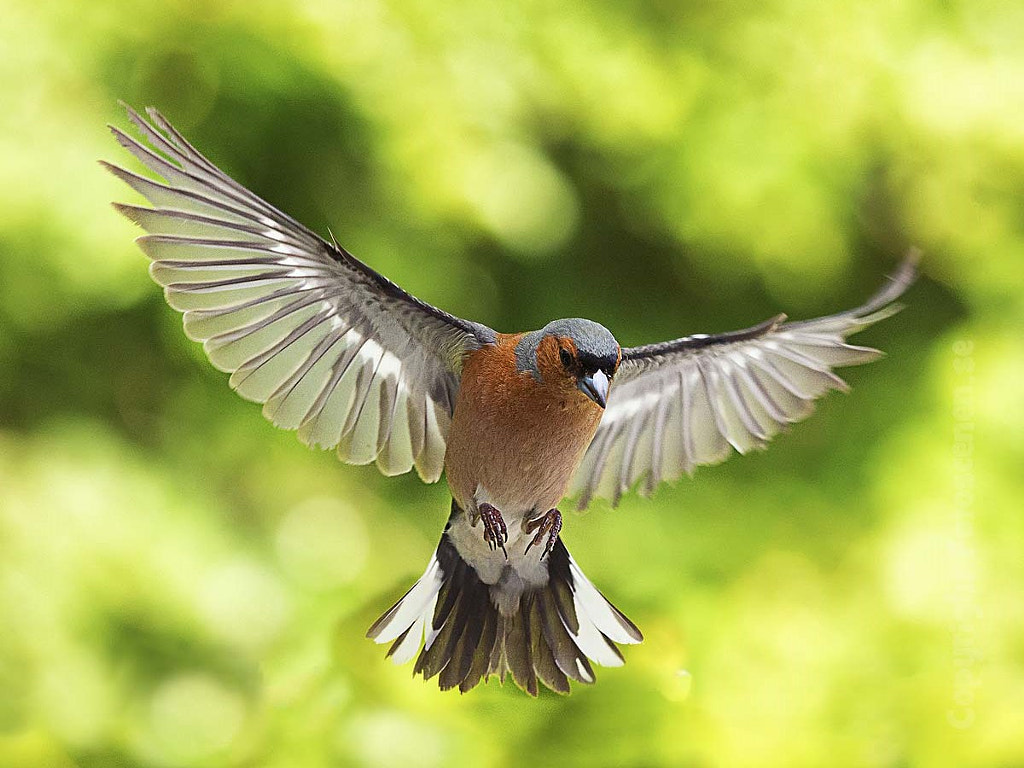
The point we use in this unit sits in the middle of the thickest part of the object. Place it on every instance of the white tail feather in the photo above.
(591, 642)
(414, 606)
(604, 617)
(408, 647)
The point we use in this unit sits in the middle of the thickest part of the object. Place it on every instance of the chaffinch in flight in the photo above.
(516, 421)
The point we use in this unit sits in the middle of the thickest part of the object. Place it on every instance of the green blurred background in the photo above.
(182, 585)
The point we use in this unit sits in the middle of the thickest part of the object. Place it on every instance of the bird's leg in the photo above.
(549, 523)
(495, 533)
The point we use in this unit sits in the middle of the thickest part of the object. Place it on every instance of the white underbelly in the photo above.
(520, 571)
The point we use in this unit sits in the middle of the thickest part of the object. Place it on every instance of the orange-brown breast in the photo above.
(519, 438)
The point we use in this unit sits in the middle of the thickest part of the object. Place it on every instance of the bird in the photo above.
(515, 422)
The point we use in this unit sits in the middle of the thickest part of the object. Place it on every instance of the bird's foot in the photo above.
(495, 533)
(550, 524)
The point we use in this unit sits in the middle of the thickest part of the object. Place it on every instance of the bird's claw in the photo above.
(495, 533)
(550, 523)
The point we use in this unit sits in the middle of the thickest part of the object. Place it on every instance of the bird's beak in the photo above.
(595, 387)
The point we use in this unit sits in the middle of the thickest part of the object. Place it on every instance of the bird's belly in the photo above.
(523, 458)
(516, 569)
(525, 483)
(522, 478)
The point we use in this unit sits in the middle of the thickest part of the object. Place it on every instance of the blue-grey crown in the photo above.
(596, 348)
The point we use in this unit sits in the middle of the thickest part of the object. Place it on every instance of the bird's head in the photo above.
(577, 356)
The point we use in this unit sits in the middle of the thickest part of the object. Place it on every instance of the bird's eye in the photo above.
(566, 356)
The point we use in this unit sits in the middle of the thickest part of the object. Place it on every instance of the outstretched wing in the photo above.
(331, 347)
(690, 401)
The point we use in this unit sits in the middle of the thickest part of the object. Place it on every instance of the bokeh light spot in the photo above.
(243, 603)
(193, 716)
(677, 686)
(322, 543)
(394, 740)
(522, 199)
(74, 698)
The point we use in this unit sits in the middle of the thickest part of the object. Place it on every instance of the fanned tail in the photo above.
(552, 635)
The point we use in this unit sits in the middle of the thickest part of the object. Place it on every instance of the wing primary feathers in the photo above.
(213, 177)
(162, 195)
(267, 296)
